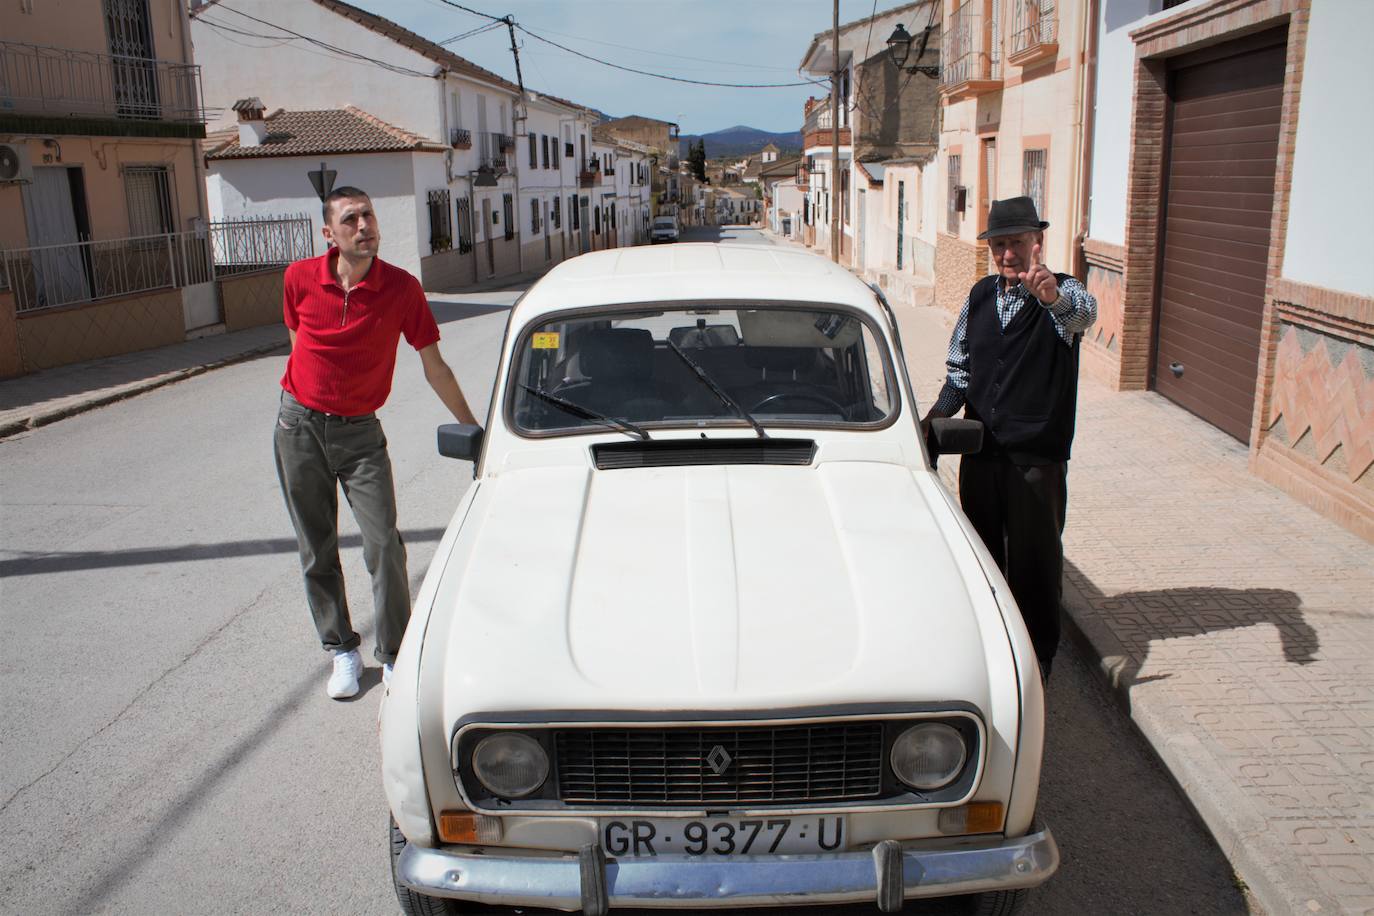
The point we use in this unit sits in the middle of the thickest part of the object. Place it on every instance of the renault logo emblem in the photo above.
(718, 760)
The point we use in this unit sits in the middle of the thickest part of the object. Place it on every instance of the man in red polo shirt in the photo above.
(346, 312)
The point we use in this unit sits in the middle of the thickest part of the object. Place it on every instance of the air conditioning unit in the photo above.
(14, 163)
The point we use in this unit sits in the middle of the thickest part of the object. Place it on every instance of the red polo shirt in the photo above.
(345, 352)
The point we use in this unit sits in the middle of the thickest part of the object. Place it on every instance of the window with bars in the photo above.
(556, 215)
(1033, 178)
(508, 210)
(544, 148)
(534, 151)
(553, 151)
(440, 221)
(613, 220)
(534, 215)
(844, 194)
(596, 220)
(464, 225)
(954, 169)
(148, 192)
(572, 209)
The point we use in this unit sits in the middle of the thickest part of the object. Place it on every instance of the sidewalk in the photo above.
(1235, 625)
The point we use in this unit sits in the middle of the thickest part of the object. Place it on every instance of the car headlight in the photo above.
(510, 764)
(929, 755)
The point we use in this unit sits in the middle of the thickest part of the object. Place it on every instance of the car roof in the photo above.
(691, 272)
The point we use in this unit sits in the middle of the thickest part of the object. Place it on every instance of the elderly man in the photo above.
(346, 312)
(1013, 365)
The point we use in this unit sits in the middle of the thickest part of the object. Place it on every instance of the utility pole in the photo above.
(835, 138)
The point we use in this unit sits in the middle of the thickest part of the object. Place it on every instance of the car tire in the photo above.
(412, 902)
(997, 903)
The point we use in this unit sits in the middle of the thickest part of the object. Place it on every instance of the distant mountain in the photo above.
(741, 140)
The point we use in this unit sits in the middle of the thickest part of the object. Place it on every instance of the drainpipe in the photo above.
(197, 164)
(1085, 163)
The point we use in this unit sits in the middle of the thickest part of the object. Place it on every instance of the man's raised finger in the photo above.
(1035, 256)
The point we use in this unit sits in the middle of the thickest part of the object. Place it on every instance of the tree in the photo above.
(696, 158)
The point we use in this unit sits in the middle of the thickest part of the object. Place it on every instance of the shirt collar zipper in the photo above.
(344, 317)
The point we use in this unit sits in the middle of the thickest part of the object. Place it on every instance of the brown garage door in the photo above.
(1219, 197)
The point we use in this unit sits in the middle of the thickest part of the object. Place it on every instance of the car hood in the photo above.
(705, 588)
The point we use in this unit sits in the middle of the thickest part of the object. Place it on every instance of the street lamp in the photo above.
(899, 49)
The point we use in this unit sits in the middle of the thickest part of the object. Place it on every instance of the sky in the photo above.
(731, 41)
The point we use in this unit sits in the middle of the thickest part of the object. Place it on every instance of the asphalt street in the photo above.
(167, 746)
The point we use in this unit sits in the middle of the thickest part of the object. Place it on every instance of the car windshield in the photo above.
(664, 223)
(788, 366)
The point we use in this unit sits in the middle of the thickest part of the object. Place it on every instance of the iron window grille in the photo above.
(1033, 178)
(464, 225)
(952, 215)
(440, 221)
(508, 210)
(555, 215)
(534, 151)
(534, 215)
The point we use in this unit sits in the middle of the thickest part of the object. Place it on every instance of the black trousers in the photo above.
(1018, 511)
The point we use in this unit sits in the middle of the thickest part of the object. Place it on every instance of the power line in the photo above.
(662, 76)
(395, 68)
(704, 60)
(471, 33)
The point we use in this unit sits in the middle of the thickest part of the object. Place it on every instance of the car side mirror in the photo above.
(461, 440)
(955, 436)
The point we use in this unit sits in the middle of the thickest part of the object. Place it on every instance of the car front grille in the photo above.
(765, 764)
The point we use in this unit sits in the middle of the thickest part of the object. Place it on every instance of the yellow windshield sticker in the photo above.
(547, 340)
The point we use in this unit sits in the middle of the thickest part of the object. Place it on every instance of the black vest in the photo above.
(1023, 381)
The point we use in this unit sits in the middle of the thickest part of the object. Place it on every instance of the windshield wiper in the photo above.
(578, 410)
(719, 391)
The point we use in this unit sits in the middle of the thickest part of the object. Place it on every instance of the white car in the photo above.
(706, 630)
(663, 229)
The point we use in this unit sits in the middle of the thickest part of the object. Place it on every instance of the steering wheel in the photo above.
(801, 396)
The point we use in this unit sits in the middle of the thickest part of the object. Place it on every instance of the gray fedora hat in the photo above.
(1012, 217)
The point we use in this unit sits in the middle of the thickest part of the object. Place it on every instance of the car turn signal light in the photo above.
(979, 817)
(466, 827)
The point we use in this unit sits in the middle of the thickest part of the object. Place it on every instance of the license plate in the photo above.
(750, 836)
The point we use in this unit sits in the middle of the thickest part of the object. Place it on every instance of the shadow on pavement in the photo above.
(447, 312)
(1125, 625)
(49, 563)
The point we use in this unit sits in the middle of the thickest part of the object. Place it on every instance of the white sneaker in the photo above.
(343, 683)
(386, 675)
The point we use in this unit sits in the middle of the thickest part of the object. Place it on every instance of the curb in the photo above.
(44, 416)
(1246, 840)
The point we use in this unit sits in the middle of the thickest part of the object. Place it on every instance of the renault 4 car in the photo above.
(706, 630)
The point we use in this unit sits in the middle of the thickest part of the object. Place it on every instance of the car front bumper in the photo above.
(590, 882)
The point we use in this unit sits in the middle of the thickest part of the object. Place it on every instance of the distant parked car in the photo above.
(664, 229)
(707, 630)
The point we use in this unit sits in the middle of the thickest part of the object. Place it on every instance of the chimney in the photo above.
(252, 123)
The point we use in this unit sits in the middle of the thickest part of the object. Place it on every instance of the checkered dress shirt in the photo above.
(1073, 313)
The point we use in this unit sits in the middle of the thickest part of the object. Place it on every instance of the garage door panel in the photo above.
(1236, 259)
(1225, 372)
(1250, 168)
(1241, 235)
(1228, 326)
(1214, 284)
(1228, 104)
(1218, 209)
(1254, 254)
(1221, 184)
(1214, 135)
(1227, 152)
(1222, 198)
(1214, 114)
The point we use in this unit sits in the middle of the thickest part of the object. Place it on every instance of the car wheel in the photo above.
(412, 902)
(997, 903)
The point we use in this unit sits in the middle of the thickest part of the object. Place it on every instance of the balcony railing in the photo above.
(971, 51)
(48, 276)
(460, 138)
(491, 151)
(506, 142)
(62, 82)
(1035, 32)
